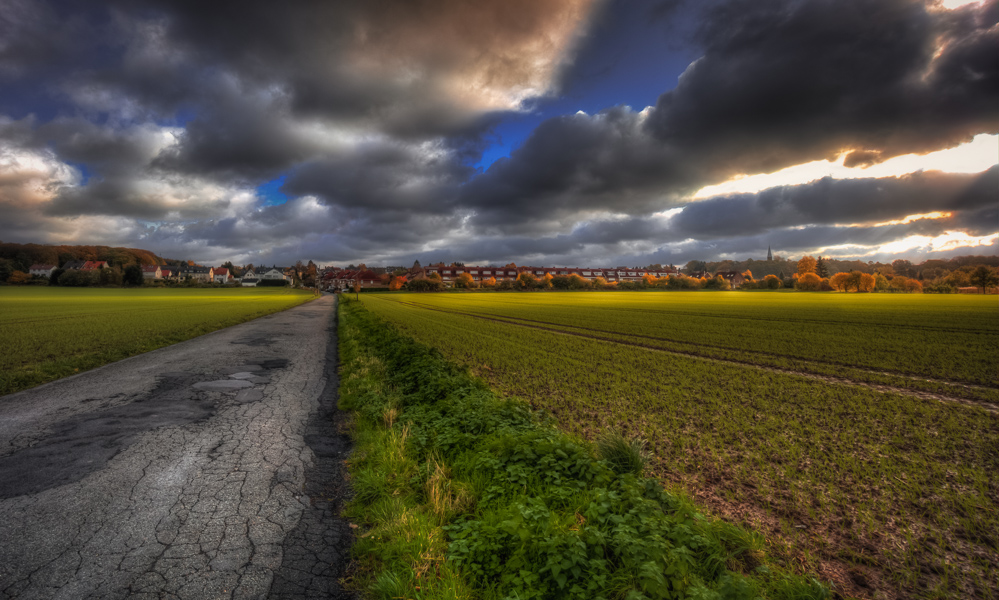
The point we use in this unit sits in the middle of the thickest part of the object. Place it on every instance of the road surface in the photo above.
(208, 469)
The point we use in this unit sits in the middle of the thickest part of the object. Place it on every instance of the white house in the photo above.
(41, 270)
(221, 275)
(272, 273)
(249, 281)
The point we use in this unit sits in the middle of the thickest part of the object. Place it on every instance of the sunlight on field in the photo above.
(48, 333)
(853, 430)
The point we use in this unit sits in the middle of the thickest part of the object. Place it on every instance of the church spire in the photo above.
(770, 255)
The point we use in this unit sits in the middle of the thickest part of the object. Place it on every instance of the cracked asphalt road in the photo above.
(212, 468)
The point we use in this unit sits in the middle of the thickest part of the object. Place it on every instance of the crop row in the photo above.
(947, 338)
(901, 491)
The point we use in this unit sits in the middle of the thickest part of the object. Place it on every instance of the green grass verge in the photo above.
(467, 494)
(48, 333)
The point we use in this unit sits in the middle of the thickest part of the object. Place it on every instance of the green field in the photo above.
(870, 489)
(48, 333)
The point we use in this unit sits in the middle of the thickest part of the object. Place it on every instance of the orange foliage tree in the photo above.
(807, 264)
(465, 281)
(839, 281)
(397, 282)
(18, 277)
(489, 283)
(809, 282)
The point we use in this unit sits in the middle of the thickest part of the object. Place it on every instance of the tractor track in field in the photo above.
(845, 381)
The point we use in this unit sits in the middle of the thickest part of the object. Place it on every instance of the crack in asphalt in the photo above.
(208, 469)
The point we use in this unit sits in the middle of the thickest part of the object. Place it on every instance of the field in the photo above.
(857, 432)
(48, 333)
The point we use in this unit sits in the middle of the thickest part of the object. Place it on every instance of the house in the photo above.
(221, 275)
(74, 265)
(196, 273)
(249, 280)
(93, 265)
(167, 272)
(151, 272)
(41, 270)
(734, 278)
(271, 273)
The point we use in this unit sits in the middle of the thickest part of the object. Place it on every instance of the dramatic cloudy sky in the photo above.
(557, 132)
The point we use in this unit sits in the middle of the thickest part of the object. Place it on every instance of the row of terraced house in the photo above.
(343, 279)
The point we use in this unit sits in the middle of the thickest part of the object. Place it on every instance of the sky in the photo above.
(541, 132)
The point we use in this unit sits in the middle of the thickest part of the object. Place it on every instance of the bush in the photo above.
(74, 278)
(424, 285)
(273, 283)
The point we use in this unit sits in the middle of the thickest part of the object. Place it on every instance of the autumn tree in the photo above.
(18, 278)
(864, 281)
(527, 281)
(397, 282)
(747, 275)
(839, 281)
(984, 277)
(772, 282)
(809, 282)
(489, 283)
(807, 264)
(465, 281)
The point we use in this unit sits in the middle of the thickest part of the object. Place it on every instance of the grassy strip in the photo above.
(468, 494)
(48, 333)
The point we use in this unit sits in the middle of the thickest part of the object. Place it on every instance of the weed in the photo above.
(623, 454)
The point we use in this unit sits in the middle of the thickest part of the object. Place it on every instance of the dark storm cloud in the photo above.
(575, 164)
(384, 175)
(786, 82)
(780, 83)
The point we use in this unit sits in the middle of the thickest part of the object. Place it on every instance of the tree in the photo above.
(695, 266)
(809, 282)
(489, 283)
(984, 277)
(902, 267)
(465, 281)
(821, 269)
(397, 282)
(865, 282)
(772, 282)
(132, 275)
(807, 264)
(527, 281)
(577, 282)
(18, 278)
(747, 275)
